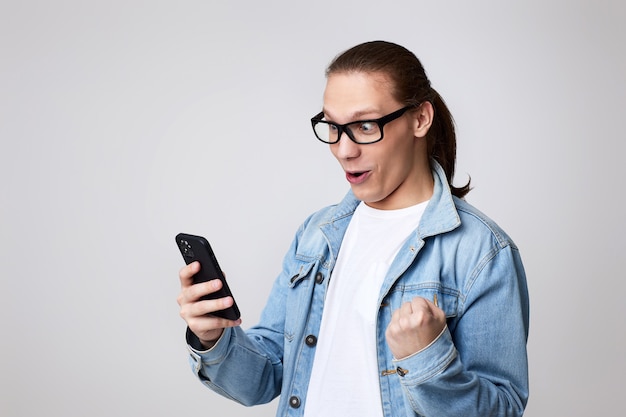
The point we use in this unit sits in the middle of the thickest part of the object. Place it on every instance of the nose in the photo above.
(345, 148)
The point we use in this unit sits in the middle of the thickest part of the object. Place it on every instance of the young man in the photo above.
(400, 300)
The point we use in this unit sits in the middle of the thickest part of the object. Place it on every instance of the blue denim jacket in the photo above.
(476, 367)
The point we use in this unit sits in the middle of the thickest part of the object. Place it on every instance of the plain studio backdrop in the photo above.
(124, 123)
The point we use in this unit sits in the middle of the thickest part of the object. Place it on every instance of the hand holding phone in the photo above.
(197, 248)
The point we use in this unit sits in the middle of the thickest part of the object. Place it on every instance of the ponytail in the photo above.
(442, 143)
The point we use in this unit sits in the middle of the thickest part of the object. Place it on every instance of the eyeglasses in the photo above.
(361, 131)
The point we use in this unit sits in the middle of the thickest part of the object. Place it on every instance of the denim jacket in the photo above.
(476, 367)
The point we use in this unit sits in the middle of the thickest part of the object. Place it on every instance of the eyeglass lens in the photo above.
(360, 132)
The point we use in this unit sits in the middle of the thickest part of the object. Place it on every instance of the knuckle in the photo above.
(404, 322)
(193, 325)
(185, 313)
(419, 302)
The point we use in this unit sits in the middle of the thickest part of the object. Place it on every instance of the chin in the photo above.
(365, 197)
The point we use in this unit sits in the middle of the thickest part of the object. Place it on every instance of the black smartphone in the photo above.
(196, 248)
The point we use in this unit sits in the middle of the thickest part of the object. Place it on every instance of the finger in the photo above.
(201, 310)
(201, 289)
(427, 307)
(421, 304)
(404, 319)
(395, 328)
(433, 307)
(195, 292)
(205, 307)
(415, 313)
(430, 314)
(406, 309)
(187, 272)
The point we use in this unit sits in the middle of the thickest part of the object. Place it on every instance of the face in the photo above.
(393, 173)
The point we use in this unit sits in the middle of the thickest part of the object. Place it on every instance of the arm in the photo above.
(237, 368)
(478, 366)
(244, 366)
(216, 344)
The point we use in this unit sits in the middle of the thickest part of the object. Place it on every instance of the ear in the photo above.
(423, 119)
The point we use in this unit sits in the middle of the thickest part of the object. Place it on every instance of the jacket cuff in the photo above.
(200, 356)
(428, 362)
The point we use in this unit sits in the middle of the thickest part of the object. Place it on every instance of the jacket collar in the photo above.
(440, 215)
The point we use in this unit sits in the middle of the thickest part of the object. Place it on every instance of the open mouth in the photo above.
(356, 177)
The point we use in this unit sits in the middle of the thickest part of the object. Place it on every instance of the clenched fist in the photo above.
(414, 326)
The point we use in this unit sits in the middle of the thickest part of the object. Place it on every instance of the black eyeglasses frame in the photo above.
(381, 122)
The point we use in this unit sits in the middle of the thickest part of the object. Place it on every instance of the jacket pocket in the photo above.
(445, 298)
(300, 274)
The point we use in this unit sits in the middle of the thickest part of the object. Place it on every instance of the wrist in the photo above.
(209, 343)
(199, 344)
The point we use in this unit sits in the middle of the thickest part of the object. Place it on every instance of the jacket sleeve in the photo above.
(247, 366)
(478, 367)
(237, 368)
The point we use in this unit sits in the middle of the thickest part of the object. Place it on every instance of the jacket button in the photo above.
(310, 340)
(319, 278)
(294, 402)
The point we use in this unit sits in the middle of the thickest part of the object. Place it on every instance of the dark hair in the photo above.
(411, 87)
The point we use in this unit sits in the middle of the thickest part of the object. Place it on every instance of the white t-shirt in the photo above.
(344, 380)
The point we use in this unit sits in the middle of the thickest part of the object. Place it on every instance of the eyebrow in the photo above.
(357, 115)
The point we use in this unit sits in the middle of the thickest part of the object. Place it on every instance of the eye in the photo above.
(368, 128)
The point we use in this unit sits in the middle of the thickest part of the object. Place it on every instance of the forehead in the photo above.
(350, 94)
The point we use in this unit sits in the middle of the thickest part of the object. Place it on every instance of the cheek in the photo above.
(398, 157)
(334, 150)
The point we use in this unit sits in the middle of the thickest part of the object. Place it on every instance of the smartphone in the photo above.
(196, 248)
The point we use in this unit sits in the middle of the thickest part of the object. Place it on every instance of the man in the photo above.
(400, 300)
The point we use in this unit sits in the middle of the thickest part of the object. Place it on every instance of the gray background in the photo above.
(124, 123)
